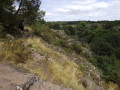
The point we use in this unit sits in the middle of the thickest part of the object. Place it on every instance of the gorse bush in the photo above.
(15, 51)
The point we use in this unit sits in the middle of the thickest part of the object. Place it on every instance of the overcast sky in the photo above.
(72, 10)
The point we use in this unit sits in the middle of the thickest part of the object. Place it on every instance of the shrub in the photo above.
(78, 48)
(68, 50)
(60, 42)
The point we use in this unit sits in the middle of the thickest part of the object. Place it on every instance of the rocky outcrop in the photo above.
(12, 79)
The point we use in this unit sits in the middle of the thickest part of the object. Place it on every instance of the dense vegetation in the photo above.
(103, 38)
(10, 15)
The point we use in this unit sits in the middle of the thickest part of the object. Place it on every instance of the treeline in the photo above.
(103, 38)
(117, 22)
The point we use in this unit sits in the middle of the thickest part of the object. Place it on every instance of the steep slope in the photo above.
(53, 65)
(57, 66)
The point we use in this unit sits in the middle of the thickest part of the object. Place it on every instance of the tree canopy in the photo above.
(14, 10)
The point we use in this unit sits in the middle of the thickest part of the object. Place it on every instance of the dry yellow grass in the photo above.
(112, 86)
(61, 70)
(27, 27)
(14, 51)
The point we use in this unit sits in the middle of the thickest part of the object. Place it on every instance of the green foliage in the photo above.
(104, 40)
(8, 19)
(1, 28)
(68, 50)
(98, 29)
(55, 26)
(101, 47)
(93, 26)
(2, 33)
(110, 67)
(78, 48)
(27, 10)
(45, 32)
(81, 67)
(105, 45)
(60, 42)
(69, 30)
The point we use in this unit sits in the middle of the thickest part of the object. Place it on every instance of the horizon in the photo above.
(79, 10)
(85, 21)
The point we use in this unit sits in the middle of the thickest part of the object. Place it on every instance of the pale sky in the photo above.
(75, 10)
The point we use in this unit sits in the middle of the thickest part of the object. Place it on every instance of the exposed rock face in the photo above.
(46, 86)
(12, 79)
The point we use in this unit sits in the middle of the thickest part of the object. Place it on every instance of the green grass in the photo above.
(68, 50)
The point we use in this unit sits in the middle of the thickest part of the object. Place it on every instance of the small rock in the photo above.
(19, 88)
(44, 84)
(9, 36)
(49, 59)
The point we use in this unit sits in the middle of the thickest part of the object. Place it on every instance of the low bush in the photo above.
(60, 42)
(78, 48)
(68, 50)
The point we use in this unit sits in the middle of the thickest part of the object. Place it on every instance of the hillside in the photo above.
(100, 37)
(38, 54)
(53, 62)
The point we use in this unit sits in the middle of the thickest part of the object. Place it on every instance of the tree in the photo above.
(27, 10)
(55, 26)
(71, 30)
(6, 12)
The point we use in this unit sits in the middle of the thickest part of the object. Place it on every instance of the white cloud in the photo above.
(69, 10)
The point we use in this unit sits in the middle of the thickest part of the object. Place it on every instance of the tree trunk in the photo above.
(19, 7)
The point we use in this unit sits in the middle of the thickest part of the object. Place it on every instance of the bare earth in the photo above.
(12, 79)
